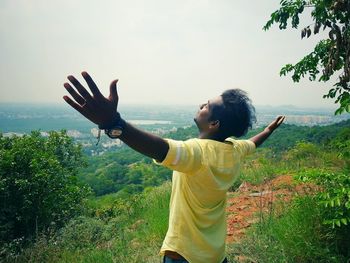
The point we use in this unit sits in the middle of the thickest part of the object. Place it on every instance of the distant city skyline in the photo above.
(161, 104)
(163, 52)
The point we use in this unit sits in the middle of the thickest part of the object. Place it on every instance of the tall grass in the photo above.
(123, 231)
(265, 165)
(296, 233)
(295, 236)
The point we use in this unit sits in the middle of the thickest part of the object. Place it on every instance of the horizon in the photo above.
(120, 105)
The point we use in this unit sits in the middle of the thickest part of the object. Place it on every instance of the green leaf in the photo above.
(337, 222)
(329, 54)
(338, 202)
(347, 204)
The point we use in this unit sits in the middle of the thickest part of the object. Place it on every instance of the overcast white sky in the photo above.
(163, 52)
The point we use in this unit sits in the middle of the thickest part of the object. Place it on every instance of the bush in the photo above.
(334, 199)
(341, 144)
(84, 232)
(128, 230)
(38, 184)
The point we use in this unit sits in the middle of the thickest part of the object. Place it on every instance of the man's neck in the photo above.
(208, 136)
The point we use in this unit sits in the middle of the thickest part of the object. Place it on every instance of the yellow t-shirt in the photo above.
(203, 172)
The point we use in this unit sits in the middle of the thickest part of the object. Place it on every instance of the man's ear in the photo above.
(214, 125)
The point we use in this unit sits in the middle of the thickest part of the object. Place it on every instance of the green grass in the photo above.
(296, 236)
(119, 231)
(132, 229)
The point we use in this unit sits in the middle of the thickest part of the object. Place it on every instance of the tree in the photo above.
(331, 55)
(38, 184)
(341, 143)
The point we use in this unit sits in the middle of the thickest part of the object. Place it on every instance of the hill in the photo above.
(129, 223)
(128, 172)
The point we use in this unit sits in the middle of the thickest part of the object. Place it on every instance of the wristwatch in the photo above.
(114, 133)
(115, 130)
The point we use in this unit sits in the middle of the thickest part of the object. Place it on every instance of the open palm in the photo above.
(95, 107)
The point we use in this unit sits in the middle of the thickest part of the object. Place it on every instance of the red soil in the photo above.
(246, 205)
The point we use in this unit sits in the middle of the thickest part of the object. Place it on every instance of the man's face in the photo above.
(202, 118)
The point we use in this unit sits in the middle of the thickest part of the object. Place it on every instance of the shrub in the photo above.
(341, 143)
(334, 197)
(84, 232)
(38, 184)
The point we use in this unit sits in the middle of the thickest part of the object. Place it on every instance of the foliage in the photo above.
(305, 155)
(38, 184)
(129, 230)
(184, 133)
(84, 232)
(303, 150)
(287, 136)
(335, 195)
(335, 185)
(122, 171)
(303, 231)
(128, 227)
(283, 139)
(330, 55)
(259, 167)
(341, 143)
(126, 172)
(295, 236)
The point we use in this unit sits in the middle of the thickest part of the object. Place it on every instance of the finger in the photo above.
(83, 92)
(113, 94)
(74, 105)
(281, 119)
(93, 87)
(74, 94)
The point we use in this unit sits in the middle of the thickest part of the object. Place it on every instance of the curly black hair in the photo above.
(236, 115)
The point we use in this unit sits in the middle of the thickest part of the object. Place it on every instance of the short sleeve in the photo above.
(245, 147)
(183, 156)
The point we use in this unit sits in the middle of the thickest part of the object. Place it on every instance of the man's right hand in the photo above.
(97, 108)
(103, 112)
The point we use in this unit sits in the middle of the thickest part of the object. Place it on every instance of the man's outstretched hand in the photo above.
(262, 136)
(97, 108)
(276, 123)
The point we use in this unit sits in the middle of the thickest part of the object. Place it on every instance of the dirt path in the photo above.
(245, 205)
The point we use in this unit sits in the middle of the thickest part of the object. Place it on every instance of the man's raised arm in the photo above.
(103, 112)
(262, 136)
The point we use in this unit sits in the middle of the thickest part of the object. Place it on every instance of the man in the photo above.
(204, 167)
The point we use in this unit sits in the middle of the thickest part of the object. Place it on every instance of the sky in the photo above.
(163, 52)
